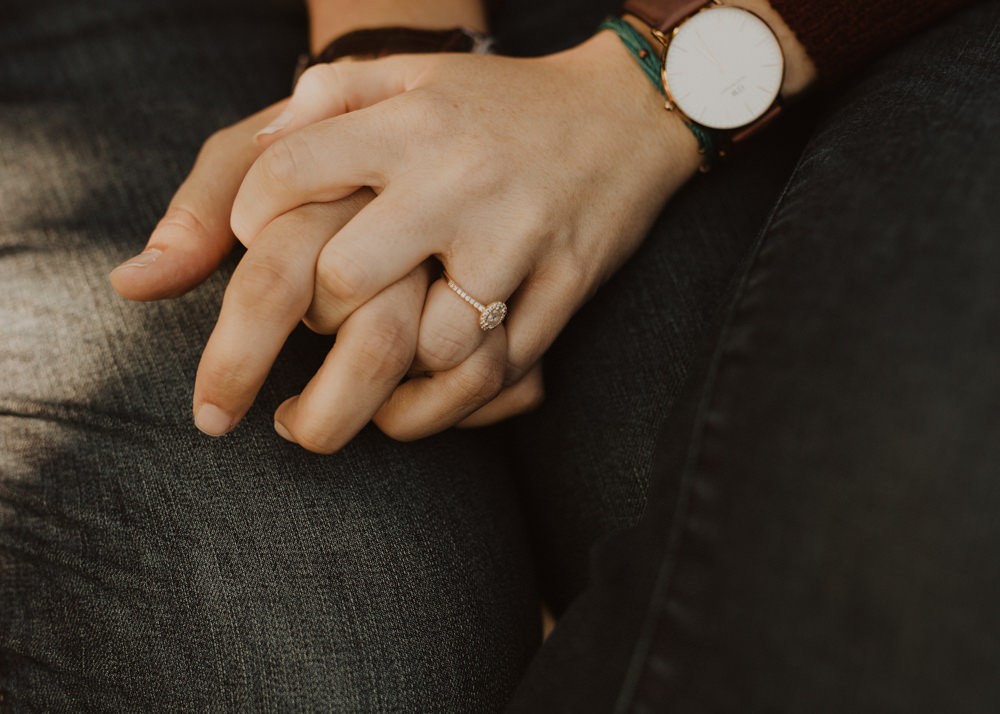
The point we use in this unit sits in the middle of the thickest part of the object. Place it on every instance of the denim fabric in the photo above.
(823, 526)
(611, 379)
(143, 566)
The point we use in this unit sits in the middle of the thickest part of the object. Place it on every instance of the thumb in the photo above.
(193, 237)
(329, 90)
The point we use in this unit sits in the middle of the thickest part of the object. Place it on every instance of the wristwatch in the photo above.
(722, 68)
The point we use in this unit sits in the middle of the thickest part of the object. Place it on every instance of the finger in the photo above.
(520, 398)
(328, 90)
(450, 327)
(194, 236)
(382, 244)
(372, 354)
(540, 310)
(427, 405)
(269, 293)
(324, 162)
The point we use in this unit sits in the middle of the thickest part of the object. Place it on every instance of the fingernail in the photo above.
(283, 432)
(143, 260)
(279, 123)
(212, 421)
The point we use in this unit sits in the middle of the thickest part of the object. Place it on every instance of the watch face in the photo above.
(724, 68)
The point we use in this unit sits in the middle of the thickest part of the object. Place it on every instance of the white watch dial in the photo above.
(724, 68)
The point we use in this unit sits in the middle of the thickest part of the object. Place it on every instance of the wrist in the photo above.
(329, 19)
(667, 150)
(800, 72)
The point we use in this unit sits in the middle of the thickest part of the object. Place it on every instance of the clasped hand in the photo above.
(528, 181)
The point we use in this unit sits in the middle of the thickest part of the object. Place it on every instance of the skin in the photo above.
(589, 157)
(331, 18)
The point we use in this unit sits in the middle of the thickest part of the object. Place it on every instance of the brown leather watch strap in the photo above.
(663, 15)
(383, 41)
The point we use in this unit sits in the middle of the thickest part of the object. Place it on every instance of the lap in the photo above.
(820, 532)
(145, 566)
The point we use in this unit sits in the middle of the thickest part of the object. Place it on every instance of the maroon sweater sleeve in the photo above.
(841, 35)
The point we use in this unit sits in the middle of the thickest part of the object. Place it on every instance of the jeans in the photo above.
(799, 364)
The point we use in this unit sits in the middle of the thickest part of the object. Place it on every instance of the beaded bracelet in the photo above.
(651, 62)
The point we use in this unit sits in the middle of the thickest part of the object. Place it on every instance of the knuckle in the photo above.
(181, 217)
(517, 367)
(386, 350)
(576, 272)
(426, 115)
(312, 78)
(264, 284)
(341, 276)
(318, 80)
(324, 316)
(394, 427)
(316, 320)
(536, 219)
(443, 345)
(281, 162)
(425, 106)
(483, 380)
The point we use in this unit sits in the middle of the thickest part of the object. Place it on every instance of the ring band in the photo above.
(490, 316)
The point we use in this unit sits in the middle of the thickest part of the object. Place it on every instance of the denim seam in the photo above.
(724, 350)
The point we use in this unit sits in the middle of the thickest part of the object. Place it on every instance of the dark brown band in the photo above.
(384, 41)
(664, 15)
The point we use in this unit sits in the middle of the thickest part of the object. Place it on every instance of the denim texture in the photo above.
(823, 527)
(583, 460)
(145, 567)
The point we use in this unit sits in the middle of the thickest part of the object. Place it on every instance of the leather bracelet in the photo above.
(376, 42)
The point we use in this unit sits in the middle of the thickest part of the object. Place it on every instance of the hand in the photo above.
(273, 288)
(527, 178)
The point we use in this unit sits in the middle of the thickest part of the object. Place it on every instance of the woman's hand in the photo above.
(531, 181)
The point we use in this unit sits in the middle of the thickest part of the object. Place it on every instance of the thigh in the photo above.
(833, 543)
(144, 567)
(613, 375)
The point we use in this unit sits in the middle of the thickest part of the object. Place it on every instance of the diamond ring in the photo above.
(490, 316)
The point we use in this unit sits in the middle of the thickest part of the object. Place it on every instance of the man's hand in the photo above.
(273, 288)
(194, 236)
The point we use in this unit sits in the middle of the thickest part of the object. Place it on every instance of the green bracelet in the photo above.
(640, 47)
(652, 64)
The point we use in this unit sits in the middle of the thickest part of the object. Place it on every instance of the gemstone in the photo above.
(492, 316)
